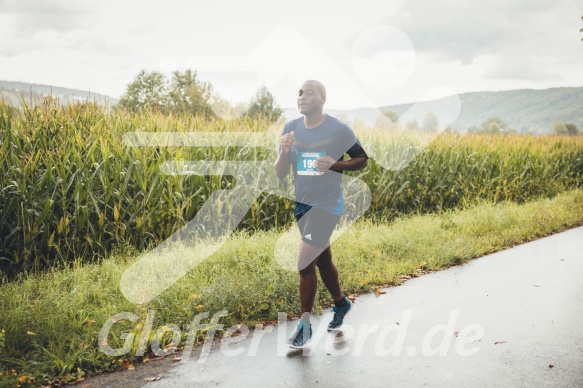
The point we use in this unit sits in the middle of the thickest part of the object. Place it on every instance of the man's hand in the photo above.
(324, 163)
(287, 141)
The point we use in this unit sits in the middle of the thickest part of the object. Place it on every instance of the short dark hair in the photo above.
(318, 85)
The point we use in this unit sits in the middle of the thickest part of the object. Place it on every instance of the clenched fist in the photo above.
(324, 163)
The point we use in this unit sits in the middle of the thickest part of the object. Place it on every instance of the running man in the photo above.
(314, 146)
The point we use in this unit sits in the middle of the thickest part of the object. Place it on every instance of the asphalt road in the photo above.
(510, 319)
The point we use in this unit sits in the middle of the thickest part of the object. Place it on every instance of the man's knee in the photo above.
(324, 262)
(308, 269)
(325, 259)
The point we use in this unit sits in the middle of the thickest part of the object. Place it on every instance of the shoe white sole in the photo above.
(340, 327)
(299, 347)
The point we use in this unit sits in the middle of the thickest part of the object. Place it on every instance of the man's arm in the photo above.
(282, 164)
(358, 157)
(357, 162)
(353, 164)
(283, 161)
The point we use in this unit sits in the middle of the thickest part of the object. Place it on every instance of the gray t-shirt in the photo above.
(333, 138)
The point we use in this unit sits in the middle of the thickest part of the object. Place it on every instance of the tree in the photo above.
(572, 129)
(183, 94)
(412, 125)
(430, 123)
(565, 128)
(493, 126)
(148, 90)
(560, 128)
(188, 95)
(265, 106)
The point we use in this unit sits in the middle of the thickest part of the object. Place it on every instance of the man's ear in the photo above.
(323, 99)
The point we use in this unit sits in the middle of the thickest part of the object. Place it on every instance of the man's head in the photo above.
(311, 98)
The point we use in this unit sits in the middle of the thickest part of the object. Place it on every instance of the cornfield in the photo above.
(71, 189)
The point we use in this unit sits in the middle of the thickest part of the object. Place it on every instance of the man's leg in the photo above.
(302, 333)
(329, 273)
(308, 277)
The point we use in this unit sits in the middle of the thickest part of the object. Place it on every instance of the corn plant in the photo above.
(71, 190)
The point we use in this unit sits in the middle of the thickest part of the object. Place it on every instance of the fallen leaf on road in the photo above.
(352, 298)
(499, 342)
(379, 292)
(152, 378)
(176, 359)
(551, 365)
(131, 367)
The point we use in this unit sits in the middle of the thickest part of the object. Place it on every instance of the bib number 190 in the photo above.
(307, 163)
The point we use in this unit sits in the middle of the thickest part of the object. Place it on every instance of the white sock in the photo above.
(305, 317)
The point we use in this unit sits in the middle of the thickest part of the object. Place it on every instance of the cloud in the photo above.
(469, 46)
(517, 68)
(42, 6)
(49, 27)
(451, 30)
(29, 17)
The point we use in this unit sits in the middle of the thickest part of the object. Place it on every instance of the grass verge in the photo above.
(49, 323)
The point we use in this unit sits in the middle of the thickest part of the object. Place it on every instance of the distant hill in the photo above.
(524, 110)
(11, 92)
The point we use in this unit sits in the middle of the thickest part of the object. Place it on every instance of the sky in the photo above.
(367, 53)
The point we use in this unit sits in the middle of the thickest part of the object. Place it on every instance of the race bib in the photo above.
(307, 163)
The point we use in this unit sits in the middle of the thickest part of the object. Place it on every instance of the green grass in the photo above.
(51, 321)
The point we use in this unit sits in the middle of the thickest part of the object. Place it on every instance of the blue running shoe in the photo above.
(339, 314)
(301, 336)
